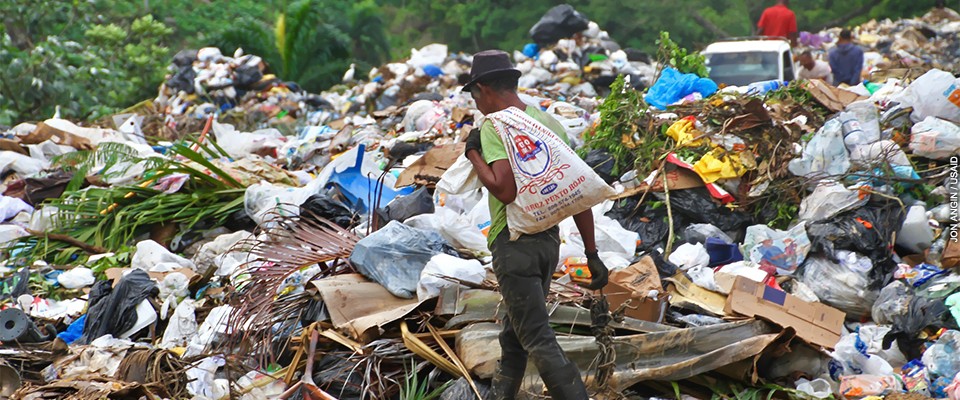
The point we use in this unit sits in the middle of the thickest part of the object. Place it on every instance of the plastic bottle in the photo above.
(915, 233)
(762, 87)
(935, 254)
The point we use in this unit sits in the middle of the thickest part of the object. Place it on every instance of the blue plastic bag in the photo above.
(673, 86)
(74, 331)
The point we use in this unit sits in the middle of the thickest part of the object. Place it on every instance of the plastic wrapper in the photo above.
(920, 274)
(818, 388)
(396, 255)
(862, 386)
(839, 286)
(914, 376)
(689, 256)
(777, 251)
(935, 138)
(112, 310)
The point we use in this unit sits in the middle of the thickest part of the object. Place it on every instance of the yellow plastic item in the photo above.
(719, 164)
(685, 133)
(576, 267)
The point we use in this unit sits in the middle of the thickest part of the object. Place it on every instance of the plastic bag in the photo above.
(11, 206)
(943, 357)
(76, 278)
(952, 391)
(824, 155)
(935, 138)
(460, 178)
(404, 207)
(933, 94)
(181, 327)
(774, 250)
(851, 357)
(457, 229)
(673, 86)
(557, 23)
(892, 303)
(431, 54)
(839, 286)
(395, 255)
(698, 206)
(553, 183)
(699, 233)
(611, 239)
(244, 144)
(112, 310)
(151, 256)
(689, 256)
(440, 265)
(818, 388)
(323, 205)
(828, 199)
(867, 119)
(861, 386)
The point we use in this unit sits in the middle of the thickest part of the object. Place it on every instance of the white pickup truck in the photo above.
(742, 61)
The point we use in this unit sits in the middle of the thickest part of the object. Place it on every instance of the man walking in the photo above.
(846, 60)
(524, 267)
(779, 21)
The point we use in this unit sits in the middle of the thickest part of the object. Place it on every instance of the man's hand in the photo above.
(598, 271)
(473, 141)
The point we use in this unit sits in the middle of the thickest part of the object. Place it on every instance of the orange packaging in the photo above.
(577, 268)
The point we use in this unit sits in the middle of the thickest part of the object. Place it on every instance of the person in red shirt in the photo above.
(779, 21)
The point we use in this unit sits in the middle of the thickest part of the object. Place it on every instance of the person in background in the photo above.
(811, 68)
(846, 60)
(524, 267)
(779, 21)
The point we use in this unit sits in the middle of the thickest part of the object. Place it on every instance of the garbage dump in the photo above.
(275, 243)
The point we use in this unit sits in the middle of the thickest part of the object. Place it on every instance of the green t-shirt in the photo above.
(493, 150)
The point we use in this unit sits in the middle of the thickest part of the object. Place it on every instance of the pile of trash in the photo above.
(925, 42)
(799, 239)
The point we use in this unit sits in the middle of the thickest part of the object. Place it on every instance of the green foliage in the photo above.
(415, 389)
(105, 69)
(679, 58)
(630, 145)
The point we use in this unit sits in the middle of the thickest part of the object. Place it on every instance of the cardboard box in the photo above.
(641, 307)
(816, 323)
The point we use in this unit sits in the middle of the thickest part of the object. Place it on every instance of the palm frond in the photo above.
(287, 244)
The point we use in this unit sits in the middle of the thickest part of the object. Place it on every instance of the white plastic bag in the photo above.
(935, 138)
(76, 278)
(689, 256)
(824, 156)
(460, 178)
(818, 388)
(611, 239)
(151, 256)
(431, 280)
(828, 199)
(243, 144)
(431, 54)
(935, 94)
(553, 183)
(455, 228)
(845, 288)
(854, 361)
(181, 327)
(11, 206)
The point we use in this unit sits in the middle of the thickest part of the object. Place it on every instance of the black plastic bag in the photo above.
(395, 255)
(183, 80)
(649, 222)
(401, 208)
(52, 186)
(185, 58)
(699, 207)
(112, 310)
(602, 163)
(923, 312)
(339, 377)
(247, 75)
(560, 22)
(323, 205)
(868, 231)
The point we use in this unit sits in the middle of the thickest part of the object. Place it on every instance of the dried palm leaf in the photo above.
(284, 246)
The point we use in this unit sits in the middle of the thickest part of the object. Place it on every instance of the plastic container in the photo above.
(915, 233)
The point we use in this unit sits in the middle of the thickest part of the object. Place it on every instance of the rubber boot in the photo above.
(506, 383)
(564, 383)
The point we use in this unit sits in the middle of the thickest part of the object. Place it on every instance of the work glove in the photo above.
(598, 271)
(473, 141)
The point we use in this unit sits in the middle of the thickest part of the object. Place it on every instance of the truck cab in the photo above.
(742, 61)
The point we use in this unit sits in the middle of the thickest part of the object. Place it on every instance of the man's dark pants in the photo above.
(524, 269)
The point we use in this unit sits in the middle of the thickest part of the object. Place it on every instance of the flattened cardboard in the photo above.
(641, 277)
(951, 254)
(115, 274)
(833, 98)
(640, 307)
(815, 323)
(359, 307)
(433, 164)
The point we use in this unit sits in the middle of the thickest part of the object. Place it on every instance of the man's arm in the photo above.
(496, 177)
(584, 222)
